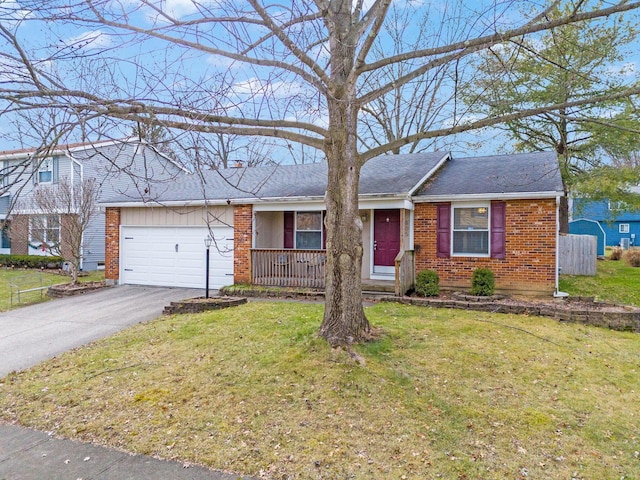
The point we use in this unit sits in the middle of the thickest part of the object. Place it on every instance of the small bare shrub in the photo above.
(632, 257)
(616, 253)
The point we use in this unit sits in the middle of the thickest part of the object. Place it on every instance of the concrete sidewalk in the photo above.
(27, 454)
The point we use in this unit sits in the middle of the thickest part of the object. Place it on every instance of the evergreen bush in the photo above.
(428, 283)
(483, 282)
(30, 261)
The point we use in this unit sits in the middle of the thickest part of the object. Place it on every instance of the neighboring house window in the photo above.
(309, 230)
(303, 230)
(47, 171)
(6, 239)
(45, 229)
(471, 230)
(4, 175)
(615, 206)
(624, 228)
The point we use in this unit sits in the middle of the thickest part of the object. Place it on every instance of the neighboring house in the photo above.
(419, 211)
(127, 168)
(611, 222)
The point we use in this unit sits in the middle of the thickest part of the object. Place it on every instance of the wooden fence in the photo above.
(577, 254)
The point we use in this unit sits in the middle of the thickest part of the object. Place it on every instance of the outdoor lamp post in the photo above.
(207, 243)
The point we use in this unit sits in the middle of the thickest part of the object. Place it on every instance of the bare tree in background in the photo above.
(299, 72)
(64, 212)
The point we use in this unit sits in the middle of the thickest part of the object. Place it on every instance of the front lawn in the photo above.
(615, 282)
(6, 274)
(442, 394)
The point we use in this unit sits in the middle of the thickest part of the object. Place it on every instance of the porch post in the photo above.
(242, 238)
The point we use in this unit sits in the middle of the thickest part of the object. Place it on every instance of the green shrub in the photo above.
(616, 253)
(428, 283)
(483, 282)
(30, 261)
(632, 257)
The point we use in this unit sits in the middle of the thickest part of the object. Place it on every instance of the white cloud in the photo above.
(627, 69)
(257, 87)
(90, 40)
(10, 9)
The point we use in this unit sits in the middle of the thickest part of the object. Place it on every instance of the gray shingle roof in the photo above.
(501, 174)
(386, 175)
(383, 175)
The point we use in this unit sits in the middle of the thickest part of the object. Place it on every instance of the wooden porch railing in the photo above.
(405, 271)
(288, 268)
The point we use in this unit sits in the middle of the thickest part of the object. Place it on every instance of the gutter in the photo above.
(487, 196)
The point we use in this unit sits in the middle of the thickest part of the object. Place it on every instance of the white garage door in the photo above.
(176, 256)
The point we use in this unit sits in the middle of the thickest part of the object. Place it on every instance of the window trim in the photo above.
(295, 229)
(47, 228)
(48, 163)
(623, 228)
(475, 205)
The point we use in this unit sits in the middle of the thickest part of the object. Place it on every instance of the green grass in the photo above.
(614, 282)
(6, 274)
(442, 394)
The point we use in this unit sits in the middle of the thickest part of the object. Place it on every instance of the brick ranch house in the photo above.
(419, 211)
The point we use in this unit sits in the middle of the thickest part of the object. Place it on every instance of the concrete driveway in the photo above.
(31, 334)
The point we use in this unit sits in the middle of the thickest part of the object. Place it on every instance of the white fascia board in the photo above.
(487, 196)
(271, 204)
(430, 173)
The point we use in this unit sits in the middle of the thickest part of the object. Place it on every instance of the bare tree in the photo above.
(299, 72)
(64, 212)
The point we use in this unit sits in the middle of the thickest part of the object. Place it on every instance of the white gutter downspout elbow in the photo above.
(557, 293)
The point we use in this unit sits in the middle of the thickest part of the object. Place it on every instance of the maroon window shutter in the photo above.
(288, 229)
(443, 230)
(498, 229)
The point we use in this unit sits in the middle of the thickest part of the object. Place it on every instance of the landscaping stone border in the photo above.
(68, 290)
(202, 304)
(599, 317)
(582, 310)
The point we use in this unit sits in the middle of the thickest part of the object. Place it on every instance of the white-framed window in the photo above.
(4, 174)
(470, 230)
(308, 230)
(45, 171)
(623, 228)
(615, 206)
(44, 229)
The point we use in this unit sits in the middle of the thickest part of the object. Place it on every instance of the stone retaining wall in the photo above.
(615, 320)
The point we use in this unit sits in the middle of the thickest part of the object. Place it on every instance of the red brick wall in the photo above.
(242, 238)
(529, 266)
(112, 245)
(19, 234)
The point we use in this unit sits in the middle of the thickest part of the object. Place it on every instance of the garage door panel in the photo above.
(175, 256)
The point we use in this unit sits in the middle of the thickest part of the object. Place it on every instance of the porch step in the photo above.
(378, 286)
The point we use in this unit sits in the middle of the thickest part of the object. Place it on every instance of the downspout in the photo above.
(73, 160)
(557, 293)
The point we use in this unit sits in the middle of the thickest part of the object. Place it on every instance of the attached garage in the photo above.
(175, 256)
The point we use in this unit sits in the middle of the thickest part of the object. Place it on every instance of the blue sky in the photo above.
(198, 71)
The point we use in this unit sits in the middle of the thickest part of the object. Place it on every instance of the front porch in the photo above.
(281, 267)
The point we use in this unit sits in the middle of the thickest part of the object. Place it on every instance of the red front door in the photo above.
(386, 237)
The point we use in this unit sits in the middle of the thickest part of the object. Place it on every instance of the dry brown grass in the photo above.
(442, 394)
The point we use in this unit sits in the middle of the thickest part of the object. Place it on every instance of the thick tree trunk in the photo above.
(344, 320)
